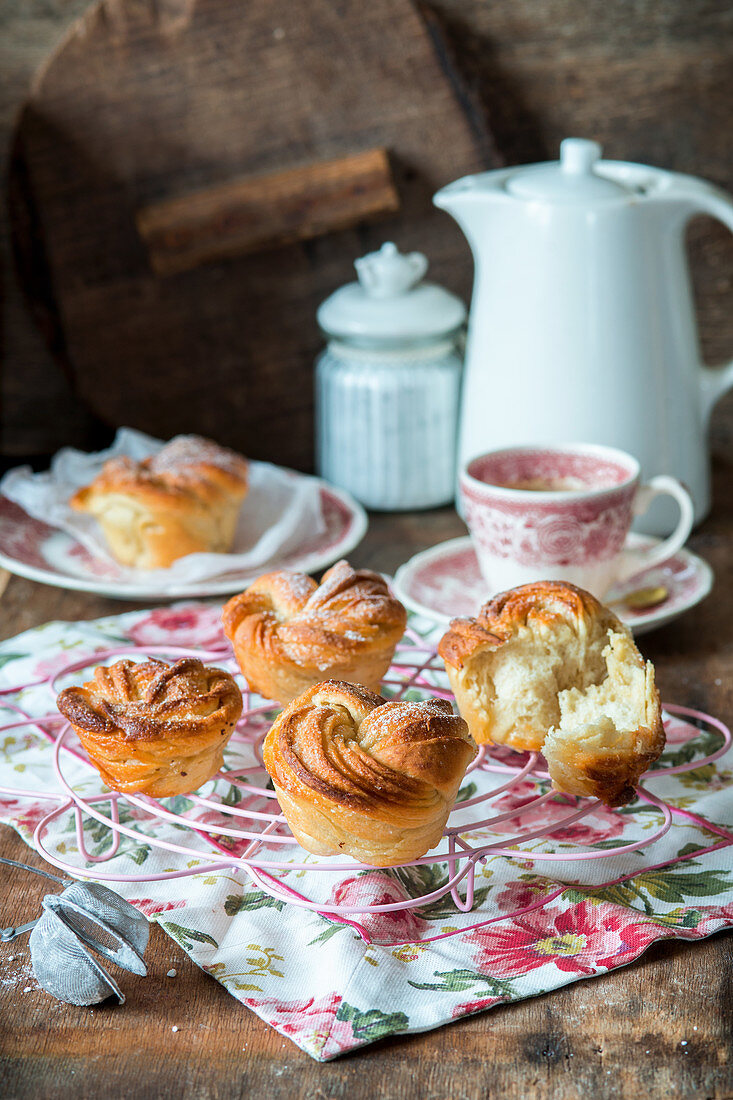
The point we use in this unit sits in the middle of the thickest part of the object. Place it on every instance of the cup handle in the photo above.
(636, 560)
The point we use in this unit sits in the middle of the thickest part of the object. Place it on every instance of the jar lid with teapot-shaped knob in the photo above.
(391, 304)
(387, 384)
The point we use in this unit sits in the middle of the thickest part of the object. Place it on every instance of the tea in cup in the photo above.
(563, 513)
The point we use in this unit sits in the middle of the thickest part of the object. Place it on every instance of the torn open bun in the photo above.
(546, 667)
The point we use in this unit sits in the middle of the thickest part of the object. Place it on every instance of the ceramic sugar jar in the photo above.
(387, 385)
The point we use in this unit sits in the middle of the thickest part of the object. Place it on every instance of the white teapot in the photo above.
(582, 326)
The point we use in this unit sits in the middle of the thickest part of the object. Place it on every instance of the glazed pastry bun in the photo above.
(361, 777)
(182, 500)
(546, 667)
(290, 633)
(154, 728)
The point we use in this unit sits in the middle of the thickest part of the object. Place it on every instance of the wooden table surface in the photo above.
(617, 1035)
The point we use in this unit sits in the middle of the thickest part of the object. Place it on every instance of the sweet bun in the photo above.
(546, 667)
(154, 728)
(183, 500)
(361, 777)
(289, 633)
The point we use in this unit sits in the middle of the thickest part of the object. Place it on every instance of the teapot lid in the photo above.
(572, 179)
(390, 302)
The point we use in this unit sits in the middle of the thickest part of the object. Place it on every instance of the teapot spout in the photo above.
(468, 201)
(460, 194)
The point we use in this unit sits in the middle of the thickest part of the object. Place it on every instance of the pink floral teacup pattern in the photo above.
(563, 513)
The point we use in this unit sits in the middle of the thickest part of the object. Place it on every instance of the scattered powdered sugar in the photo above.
(174, 1028)
(301, 586)
(394, 715)
(185, 451)
(22, 972)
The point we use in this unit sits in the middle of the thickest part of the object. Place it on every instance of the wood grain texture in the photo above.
(654, 82)
(588, 1040)
(252, 215)
(37, 409)
(138, 107)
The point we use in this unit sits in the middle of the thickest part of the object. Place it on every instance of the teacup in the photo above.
(563, 513)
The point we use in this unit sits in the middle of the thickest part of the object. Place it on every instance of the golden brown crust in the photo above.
(464, 638)
(359, 776)
(182, 500)
(154, 728)
(542, 602)
(288, 633)
(188, 465)
(546, 667)
(545, 618)
(611, 777)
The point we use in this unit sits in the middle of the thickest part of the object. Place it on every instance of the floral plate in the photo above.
(445, 582)
(33, 549)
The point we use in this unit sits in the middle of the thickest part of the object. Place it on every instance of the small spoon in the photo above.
(643, 599)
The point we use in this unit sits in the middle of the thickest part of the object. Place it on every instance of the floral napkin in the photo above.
(332, 986)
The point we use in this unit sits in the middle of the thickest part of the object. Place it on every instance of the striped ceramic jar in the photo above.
(386, 422)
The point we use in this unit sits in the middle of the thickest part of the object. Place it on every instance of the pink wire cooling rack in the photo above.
(242, 826)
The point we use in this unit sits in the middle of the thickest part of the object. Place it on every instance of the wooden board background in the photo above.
(653, 82)
(146, 104)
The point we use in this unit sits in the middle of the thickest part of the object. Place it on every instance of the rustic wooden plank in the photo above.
(37, 410)
(136, 108)
(268, 211)
(589, 1039)
(654, 85)
(4, 579)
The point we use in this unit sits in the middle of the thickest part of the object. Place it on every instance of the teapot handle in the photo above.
(706, 199)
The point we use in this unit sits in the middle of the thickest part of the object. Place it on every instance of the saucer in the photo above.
(445, 583)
